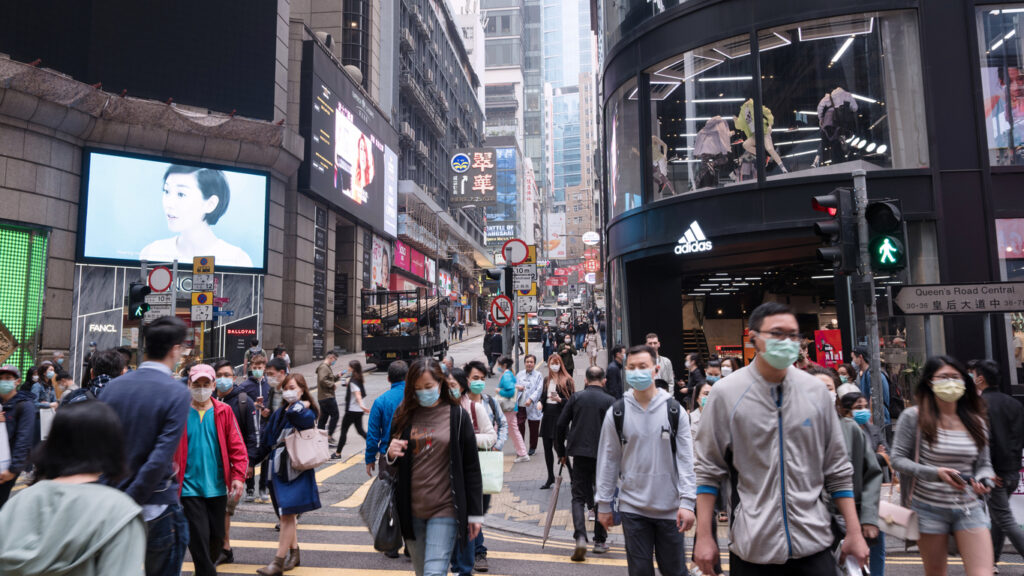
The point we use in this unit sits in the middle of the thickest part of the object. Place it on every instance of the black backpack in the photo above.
(673, 407)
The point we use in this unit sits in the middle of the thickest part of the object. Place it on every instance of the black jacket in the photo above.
(464, 474)
(551, 413)
(497, 344)
(614, 384)
(20, 412)
(1006, 431)
(580, 422)
(246, 418)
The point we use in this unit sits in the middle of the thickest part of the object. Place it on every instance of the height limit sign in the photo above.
(501, 310)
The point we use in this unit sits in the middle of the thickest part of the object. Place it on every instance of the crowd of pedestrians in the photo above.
(782, 450)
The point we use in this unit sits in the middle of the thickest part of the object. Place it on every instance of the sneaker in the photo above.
(250, 495)
(580, 553)
(481, 564)
(522, 459)
(335, 456)
(263, 498)
(590, 516)
(531, 452)
(601, 547)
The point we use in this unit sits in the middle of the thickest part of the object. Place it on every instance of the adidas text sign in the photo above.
(693, 241)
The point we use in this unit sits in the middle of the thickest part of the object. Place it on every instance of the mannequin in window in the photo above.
(659, 160)
(712, 147)
(837, 118)
(745, 123)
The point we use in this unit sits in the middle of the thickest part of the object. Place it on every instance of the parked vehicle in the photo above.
(403, 325)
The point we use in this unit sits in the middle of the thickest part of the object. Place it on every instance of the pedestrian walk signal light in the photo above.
(137, 306)
(839, 233)
(886, 238)
(504, 278)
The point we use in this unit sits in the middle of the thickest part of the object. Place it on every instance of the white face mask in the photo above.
(726, 370)
(201, 395)
(291, 396)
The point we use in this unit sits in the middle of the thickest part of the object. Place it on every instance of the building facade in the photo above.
(726, 135)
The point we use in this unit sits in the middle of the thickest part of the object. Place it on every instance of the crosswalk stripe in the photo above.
(309, 527)
(303, 570)
(356, 498)
(367, 549)
(324, 474)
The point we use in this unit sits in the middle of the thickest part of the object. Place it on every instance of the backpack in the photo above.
(844, 120)
(672, 406)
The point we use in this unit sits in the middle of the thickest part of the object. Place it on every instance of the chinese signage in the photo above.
(402, 256)
(474, 176)
(829, 347)
(995, 297)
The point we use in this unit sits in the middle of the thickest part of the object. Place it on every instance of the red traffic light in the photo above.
(829, 203)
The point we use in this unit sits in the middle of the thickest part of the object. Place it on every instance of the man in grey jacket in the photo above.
(773, 430)
(656, 497)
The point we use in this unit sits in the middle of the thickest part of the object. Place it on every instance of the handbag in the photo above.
(380, 514)
(894, 518)
(5, 447)
(492, 470)
(307, 449)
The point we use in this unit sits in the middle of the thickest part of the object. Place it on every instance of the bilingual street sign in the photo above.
(942, 299)
(526, 304)
(202, 265)
(158, 300)
(202, 282)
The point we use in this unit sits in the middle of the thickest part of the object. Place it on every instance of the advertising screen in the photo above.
(158, 209)
(351, 158)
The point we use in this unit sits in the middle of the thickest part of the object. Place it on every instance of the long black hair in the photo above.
(85, 438)
(969, 408)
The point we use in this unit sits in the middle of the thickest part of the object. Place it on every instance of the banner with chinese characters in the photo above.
(474, 177)
(828, 346)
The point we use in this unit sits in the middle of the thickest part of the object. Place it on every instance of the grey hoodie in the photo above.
(644, 464)
(786, 453)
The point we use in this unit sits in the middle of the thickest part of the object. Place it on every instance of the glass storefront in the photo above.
(1001, 46)
(623, 16)
(618, 331)
(844, 90)
(1010, 244)
(622, 135)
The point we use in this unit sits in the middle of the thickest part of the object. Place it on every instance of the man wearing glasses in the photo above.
(772, 426)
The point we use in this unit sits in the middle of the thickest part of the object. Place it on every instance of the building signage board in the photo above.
(474, 173)
(941, 299)
(693, 241)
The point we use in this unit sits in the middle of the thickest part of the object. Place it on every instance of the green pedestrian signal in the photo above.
(137, 306)
(887, 253)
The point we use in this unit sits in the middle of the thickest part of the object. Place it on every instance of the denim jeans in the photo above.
(877, 558)
(431, 550)
(166, 540)
(463, 558)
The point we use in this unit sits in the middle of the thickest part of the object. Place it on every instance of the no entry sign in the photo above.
(515, 252)
(160, 279)
(501, 310)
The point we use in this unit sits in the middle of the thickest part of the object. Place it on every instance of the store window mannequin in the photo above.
(837, 118)
(659, 159)
(745, 123)
(713, 148)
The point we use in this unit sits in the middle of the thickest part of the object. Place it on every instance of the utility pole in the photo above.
(860, 193)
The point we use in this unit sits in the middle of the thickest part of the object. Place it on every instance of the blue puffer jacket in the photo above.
(507, 387)
(20, 412)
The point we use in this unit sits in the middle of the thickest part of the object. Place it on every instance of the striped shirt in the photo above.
(953, 449)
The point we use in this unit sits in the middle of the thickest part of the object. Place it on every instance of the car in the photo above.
(548, 316)
(563, 298)
(536, 327)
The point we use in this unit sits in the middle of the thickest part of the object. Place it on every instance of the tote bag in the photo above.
(380, 514)
(492, 471)
(307, 449)
(5, 448)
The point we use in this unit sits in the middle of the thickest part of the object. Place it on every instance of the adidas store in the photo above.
(722, 119)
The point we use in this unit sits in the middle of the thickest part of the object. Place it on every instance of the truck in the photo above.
(404, 325)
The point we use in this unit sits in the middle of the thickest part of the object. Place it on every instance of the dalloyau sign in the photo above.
(693, 241)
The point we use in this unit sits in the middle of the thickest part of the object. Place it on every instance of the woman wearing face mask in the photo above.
(558, 386)
(941, 451)
(730, 365)
(44, 389)
(847, 374)
(567, 353)
(700, 398)
(354, 407)
(829, 378)
(291, 493)
(214, 459)
(433, 447)
(458, 385)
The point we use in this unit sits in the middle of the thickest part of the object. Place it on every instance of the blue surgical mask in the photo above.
(477, 386)
(703, 401)
(60, 361)
(50, 374)
(428, 397)
(257, 374)
(780, 354)
(456, 393)
(6, 387)
(843, 378)
(640, 379)
(225, 384)
(862, 416)
(713, 379)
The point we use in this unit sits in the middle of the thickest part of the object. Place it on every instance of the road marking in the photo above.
(303, 570)
(356, 498)
(334, 469)
(310, 527)
(367, 549)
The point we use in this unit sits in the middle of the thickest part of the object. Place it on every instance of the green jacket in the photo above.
(71, 530)
(867, 475)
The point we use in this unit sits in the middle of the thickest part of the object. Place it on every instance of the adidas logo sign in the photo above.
(693, 241)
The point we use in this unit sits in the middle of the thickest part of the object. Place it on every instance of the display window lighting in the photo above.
(798, 129)
(698, 118)
(842, 50)
(882, 149)
(1006, 11)
(798, 142)
(871, 148)
(864, 98)
(800, 154)
(862, 144)
(822, 34)
(716, 100)
(726, 79)
(807, 112)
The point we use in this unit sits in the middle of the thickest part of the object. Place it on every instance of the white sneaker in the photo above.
(522, 459)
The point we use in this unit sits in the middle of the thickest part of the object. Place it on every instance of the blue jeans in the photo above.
(431, 550)
(166, 541)
(877, 559)
(463, 558)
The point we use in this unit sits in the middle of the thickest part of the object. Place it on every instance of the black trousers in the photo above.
(329, 416)
(250, 483)
(521, 421)
(649, 538)
(820, 564)
(584, 472)
(350, 419)
(206, 531)
(549, 459)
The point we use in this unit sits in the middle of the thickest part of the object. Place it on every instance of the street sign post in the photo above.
(159, 279)
(942, 299)
(155, 300)
(515, 252)
(202, 306)
(202, 282)
(202, 265)
(502, 310)
(526, 304)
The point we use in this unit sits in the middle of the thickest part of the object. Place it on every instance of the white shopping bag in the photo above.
(45, 421)
(5, 447)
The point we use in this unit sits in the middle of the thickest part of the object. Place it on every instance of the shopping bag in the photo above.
(492, 471)
(380, 514)
(45, 422)
(5, 448)
(307, 449)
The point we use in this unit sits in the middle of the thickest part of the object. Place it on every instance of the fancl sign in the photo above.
(693, 241)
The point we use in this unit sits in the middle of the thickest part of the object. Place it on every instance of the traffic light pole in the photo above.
(144, 278)
(860, 194)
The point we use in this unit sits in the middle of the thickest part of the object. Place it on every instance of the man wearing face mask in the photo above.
(1006, 441)
(646, 442)
(764, 426)
(244, 410)
(863, 365)
(153, 408)
(18, 414)
(214, 460)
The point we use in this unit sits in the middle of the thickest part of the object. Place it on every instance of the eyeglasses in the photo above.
(779, 335)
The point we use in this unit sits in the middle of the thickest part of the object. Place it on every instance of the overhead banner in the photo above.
(556, 236)
(474, 174)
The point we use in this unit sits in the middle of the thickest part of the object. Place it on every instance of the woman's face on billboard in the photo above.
(184, 205)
